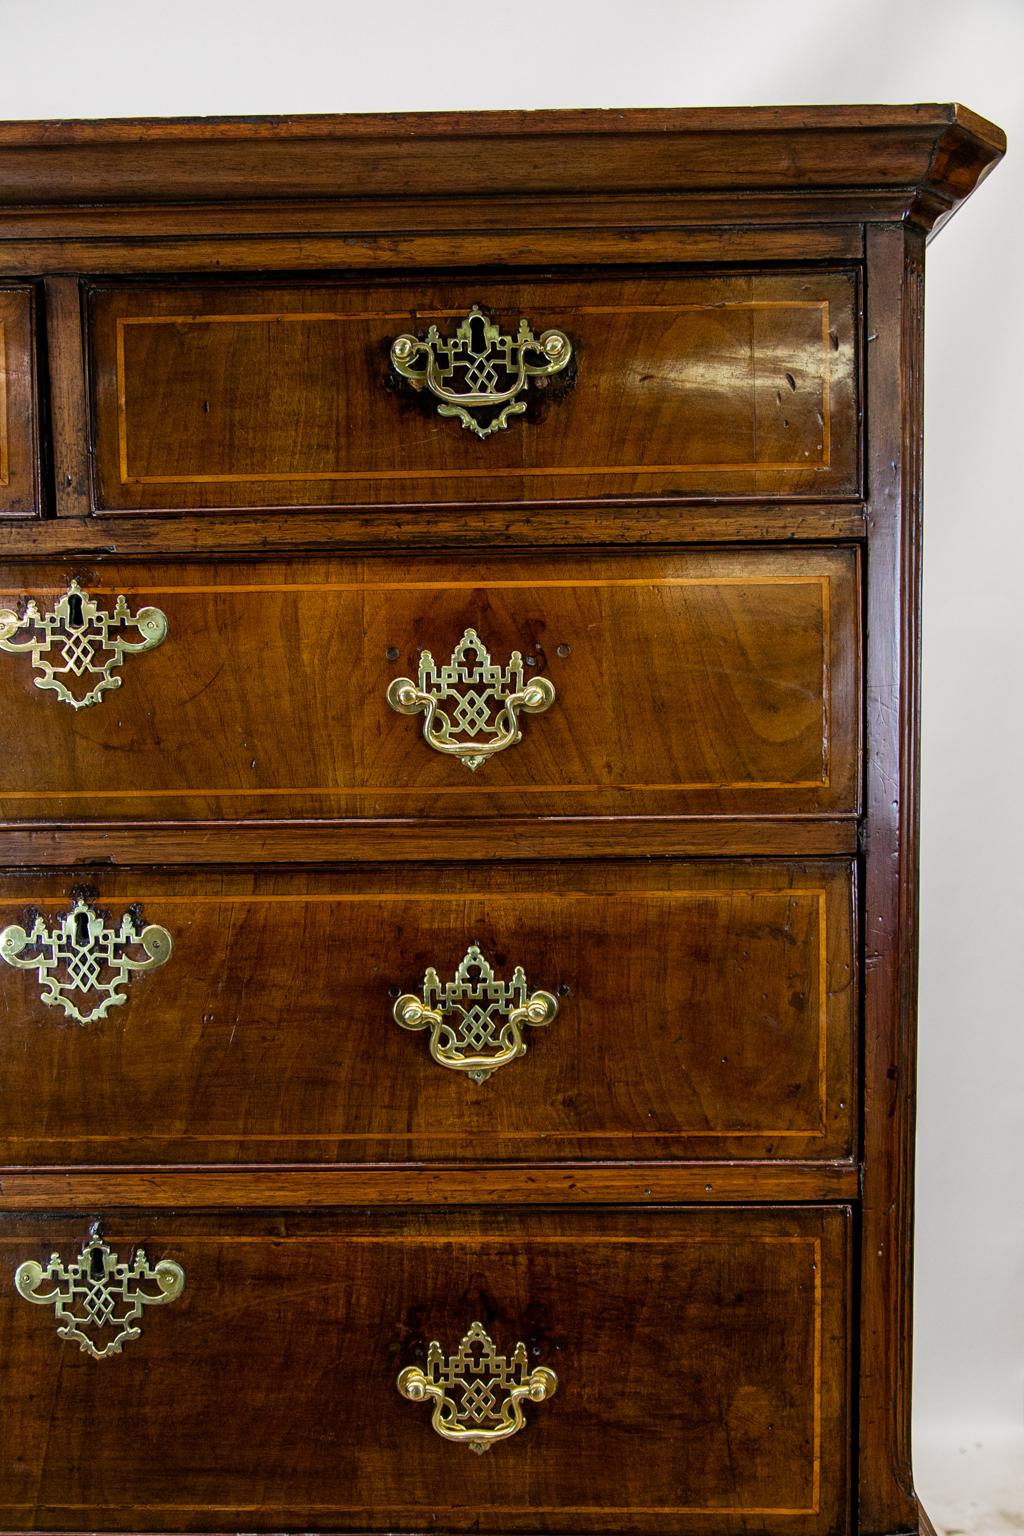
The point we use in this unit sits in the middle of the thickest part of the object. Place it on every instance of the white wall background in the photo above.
(99, 58)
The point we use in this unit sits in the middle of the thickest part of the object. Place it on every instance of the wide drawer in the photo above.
(678, 683)
(221, 395)
(686, 1010)
(19, 444)
(700, 1363)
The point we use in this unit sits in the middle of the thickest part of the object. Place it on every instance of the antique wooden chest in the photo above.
(458, 661)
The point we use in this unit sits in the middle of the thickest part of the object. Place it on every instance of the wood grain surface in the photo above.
(20, 484)
(255, 1186)
(706, 1009)
(102, 844)
(927, 157)
(701, 1361)
(237, 396)
(686, 683)
(693, 1196)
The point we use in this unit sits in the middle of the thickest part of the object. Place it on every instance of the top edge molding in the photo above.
(572, 121)
(932, 154)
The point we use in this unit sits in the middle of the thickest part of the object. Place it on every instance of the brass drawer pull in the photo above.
(80, 958)
(475, 1012)
(97, 1292)
(470, 706)
(477, 1394)
(480, 368)
(78, 645)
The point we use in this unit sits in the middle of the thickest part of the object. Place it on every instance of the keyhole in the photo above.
(478, 334)
(96, 1265)
(81, 929)
(75, 609)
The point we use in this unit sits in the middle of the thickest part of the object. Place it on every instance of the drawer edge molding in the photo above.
(199, 843)
(440, 1184)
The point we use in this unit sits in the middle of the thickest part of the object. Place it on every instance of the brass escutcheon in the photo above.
(83, 964)
(97, 1292)
(76, 647)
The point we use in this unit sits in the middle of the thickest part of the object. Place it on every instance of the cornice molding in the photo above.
(922, 160)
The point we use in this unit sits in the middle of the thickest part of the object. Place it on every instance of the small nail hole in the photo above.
(563, 650)
(392, 653)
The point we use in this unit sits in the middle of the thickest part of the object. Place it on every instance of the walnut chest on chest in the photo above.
(458, 663)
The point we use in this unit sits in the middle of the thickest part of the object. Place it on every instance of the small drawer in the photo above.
(215, 395)
(429, 687)
(19, 436)
(686, 1371)
(600, 1011)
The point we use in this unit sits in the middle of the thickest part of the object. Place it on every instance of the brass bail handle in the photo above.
(477, 1393)
(470, 706)
(481, 373)
(476, 1020)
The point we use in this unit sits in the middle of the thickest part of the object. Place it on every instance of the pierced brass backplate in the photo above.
(475, 1021)
(96, 1293)
(471, 707)
(477, 1394)
(77, 647)
(82, 964)
(480, 374)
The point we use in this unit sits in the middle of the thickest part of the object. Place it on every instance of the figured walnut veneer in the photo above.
(19, 449)
(662, 1045)
(692, 683)
(692, 1197)
(736, 1320)
(711, 384)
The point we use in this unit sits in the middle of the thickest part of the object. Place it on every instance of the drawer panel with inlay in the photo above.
(599, 1011)
(19, 441)
(430, 687)
(475, 390)
(498, 1370)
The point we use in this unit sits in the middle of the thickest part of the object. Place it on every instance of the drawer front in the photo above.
(227, 396)
(703, 1010)
(681, 683)
(19, 445)
(700, 1363)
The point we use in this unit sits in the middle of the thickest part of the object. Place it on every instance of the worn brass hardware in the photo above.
(97, 1292)
(473, 1012)
(477, 1394)
(471, 698)
(81, 957)
(480, 368)
(77, 644)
